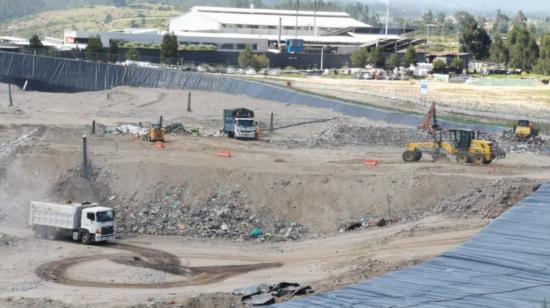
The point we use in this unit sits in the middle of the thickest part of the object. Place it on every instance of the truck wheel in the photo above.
(85, 238)
(409, 156)
(231, 134)
(39, 232)
(417, 155)
(461, 158)
(52, 234)
(478, 159)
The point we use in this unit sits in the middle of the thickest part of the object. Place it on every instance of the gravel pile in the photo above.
(221, 217)
(488, 201)
(176, 129)
(536, 145)
(339, 135)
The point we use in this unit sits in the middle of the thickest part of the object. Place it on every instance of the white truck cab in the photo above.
(245, 128)
(98, 221)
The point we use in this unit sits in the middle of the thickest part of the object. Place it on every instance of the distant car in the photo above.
(241, 71)
(230, 70)
(251, 71)
(202, 68)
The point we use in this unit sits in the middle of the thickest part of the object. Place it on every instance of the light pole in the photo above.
(322, 57)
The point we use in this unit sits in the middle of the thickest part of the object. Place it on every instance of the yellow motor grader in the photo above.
(463, 144)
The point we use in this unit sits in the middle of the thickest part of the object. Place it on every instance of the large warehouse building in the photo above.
(232, 29)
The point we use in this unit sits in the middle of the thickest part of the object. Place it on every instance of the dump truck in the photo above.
(85, 222)
(240, 123)
(525, 129)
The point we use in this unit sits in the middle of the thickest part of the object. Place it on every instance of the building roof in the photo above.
(263, 17)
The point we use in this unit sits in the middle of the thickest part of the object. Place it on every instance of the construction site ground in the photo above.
(304, 183)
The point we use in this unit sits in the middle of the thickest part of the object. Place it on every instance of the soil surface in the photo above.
(299, 205)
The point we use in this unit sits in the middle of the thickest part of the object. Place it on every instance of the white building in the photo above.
(262, 21)
(232, 29)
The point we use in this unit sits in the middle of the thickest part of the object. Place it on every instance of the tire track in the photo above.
(57, 271)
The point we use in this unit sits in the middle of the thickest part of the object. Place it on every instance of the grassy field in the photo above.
(96, 18)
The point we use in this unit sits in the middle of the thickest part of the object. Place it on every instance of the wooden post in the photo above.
(189, 102)
(84, 157)
(93, 127)
(271, 124)
(9, 95)
(160, 122)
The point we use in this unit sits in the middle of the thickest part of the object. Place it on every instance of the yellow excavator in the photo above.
(524, 130)
(463, 144)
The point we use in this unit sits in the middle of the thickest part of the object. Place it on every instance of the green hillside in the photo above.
(91, 18)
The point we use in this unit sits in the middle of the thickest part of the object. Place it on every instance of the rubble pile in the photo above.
(488, 201)
(220, 217)
(534, 145)
(357, 223)
(266, 294)
(176, 129)
(8, 240)
(339, 135)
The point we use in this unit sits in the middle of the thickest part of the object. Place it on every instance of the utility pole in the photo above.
(387, 17)
(322, 57)
(315, 19)
(9, 95)
(84, 157)
(297, 9)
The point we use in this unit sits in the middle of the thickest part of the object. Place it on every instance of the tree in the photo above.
(475, 39)
(94, 48)
(358, 11)
(360, 57)
(114, 50)
(522, 47)
(440, 18)
(428, 17)
(248, 59)
(543, 63)
(498, 52)
(439, 66)
(520, 20)
(501, 23)
(132, 54)
(376, 57)
(35, 42)
(457, 64)
(410, 57)
(393, 61)
(169, 48)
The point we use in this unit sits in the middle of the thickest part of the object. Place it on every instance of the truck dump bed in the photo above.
(64, 216)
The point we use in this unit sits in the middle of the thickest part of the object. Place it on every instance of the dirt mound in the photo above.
(7, 240)
(340, 135)
(487, 201)
(27, 302)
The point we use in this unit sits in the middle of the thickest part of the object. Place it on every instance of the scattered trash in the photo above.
(257, 232)
(130, 129)
(176, 129)
(160, 145)
(266, 294)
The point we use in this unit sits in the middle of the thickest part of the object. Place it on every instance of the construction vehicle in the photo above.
(240, 124)
(464, 145)
(85, 222)
(525, 129)
(156, 132)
